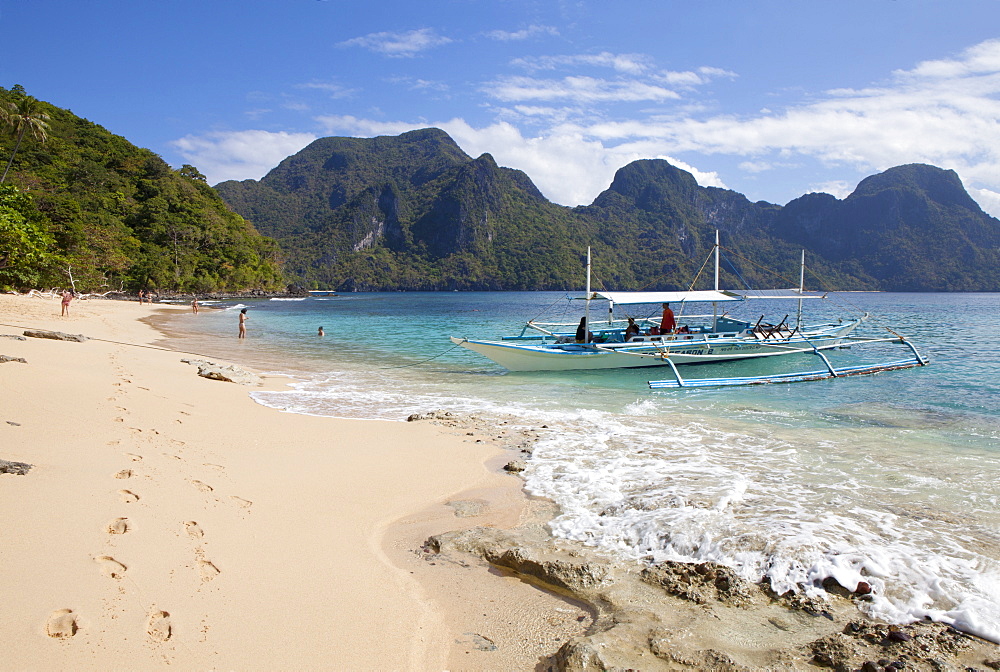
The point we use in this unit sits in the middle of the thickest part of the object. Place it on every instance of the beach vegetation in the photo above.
(118, 216)
(26, 259)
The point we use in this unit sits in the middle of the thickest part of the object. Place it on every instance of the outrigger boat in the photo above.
(717, 338)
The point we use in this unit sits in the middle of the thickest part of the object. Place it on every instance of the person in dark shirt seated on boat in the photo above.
(668, 323)
(582, 330)
(632, 329)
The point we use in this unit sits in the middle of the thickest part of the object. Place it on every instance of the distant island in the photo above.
(414, 212)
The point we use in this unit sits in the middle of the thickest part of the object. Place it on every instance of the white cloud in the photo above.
(575, 89)
(524, 34)
(988, 200)
(837, 188)
(399, 45)
(633, 64)
(239, 155)
(335, 90)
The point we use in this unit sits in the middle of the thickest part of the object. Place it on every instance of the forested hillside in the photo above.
(415, 212)
(409, 212)
(83, 207)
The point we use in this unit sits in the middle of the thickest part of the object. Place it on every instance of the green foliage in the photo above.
(26, 259)
(115, 214)
(22, 114)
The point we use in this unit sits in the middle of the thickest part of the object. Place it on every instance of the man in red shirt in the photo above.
(668, 323)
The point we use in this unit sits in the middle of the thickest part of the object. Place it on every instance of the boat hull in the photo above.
(574, 357)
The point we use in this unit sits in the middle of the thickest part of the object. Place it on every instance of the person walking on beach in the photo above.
(141, 294)
(243, 323)
(194, 306)
(67, 296)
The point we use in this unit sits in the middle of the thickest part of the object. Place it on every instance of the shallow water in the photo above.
(894, 477)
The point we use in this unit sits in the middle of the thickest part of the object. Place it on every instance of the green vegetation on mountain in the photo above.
(89, 209)
(415, 212)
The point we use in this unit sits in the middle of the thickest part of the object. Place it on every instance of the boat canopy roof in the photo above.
(778, 294)
(707, 295)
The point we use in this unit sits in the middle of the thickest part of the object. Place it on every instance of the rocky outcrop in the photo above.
(224, 372)
(54, 335)
(9, 358)
(684, 616)
(18, 468)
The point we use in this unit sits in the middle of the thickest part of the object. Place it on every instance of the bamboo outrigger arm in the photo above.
(801, 376)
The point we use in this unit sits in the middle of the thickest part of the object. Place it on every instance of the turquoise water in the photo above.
(894, 478)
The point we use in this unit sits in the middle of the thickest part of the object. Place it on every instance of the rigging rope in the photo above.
(422, 361)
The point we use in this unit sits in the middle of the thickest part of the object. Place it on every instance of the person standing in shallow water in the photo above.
(243, 323)
(194, 306)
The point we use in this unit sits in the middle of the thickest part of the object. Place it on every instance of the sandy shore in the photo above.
(168, 519)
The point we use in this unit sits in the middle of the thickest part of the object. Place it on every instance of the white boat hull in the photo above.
(697, 349)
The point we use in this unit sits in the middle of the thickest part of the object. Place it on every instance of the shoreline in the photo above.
(490, 590)
(170, 519)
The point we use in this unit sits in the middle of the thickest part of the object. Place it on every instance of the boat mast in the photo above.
(715, 306)
(802, 287)
(586, 309)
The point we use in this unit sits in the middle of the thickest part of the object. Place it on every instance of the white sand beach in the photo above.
(168, 520)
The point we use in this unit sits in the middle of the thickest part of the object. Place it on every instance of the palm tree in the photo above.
(23, 116)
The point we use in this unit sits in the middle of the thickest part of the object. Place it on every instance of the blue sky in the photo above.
(771, 98)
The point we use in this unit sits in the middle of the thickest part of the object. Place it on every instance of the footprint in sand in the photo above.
(207, 570)
(204, 487)
(120, 420)
(194, 529)
(118, 526)
(158, 626)
(110, 567)
(245, 503)
(134, 457)
(61, 623)
(113, 443)
(175, 457)
(124, 473)
(213, 466)
(128, 496)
